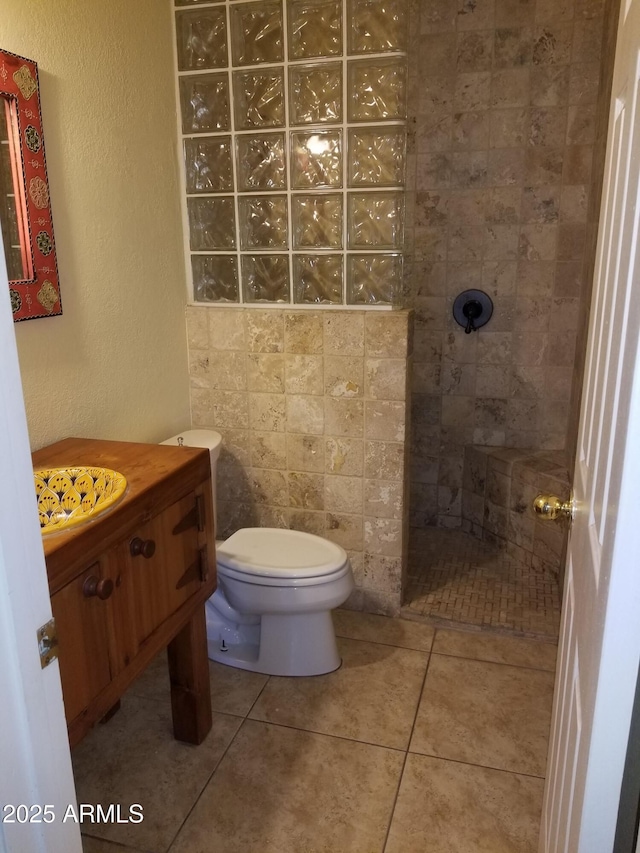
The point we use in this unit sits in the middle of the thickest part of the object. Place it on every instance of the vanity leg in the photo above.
(189, 674)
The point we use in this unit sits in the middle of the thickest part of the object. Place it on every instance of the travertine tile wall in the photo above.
(499, 487)
(611, 16)
(503, 98)
(312, 407)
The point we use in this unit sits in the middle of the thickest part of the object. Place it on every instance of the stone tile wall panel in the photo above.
(312, 408)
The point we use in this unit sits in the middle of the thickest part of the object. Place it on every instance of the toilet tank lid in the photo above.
(207, 438)
(276, 552)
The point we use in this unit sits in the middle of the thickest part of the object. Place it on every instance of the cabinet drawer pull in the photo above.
(143, 547)
(100, 588)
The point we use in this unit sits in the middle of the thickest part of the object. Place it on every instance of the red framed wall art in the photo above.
(25, 204)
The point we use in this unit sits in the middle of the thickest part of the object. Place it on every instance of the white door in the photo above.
(35, 764)
(600, 632)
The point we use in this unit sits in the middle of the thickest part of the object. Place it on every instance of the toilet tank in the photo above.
(209, 439)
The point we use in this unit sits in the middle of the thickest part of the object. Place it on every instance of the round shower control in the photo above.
(472, 309)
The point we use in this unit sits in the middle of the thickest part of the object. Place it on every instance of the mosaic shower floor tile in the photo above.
(456, 579)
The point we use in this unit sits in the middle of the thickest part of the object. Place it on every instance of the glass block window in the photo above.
(293, 126)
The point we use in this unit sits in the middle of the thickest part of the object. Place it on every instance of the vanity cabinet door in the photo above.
(81, 610)
(167, 562)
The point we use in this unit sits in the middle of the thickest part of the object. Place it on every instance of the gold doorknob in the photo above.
(551, 507)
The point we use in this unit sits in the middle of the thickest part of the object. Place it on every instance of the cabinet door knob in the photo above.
(102, 588)
(143, 547)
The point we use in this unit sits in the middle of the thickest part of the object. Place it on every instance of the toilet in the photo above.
(271, 612)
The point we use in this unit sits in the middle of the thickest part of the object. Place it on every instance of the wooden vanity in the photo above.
(133, 581)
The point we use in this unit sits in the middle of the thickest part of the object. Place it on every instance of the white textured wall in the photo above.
(114, 365)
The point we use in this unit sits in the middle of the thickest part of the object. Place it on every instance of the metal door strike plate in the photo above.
(48, 643)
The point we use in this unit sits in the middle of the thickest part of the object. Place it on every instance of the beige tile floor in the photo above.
(427, 740)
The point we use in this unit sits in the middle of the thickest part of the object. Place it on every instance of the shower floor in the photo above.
(455, 579)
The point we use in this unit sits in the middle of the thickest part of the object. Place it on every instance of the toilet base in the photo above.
(275, 644)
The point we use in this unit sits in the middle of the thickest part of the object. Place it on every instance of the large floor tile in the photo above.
(491, 647)
(485, 713)
(279, 790)
(382, 629)
(99, 845)
(446, 807)
(372, 697)
(233, 691)
(135, 759)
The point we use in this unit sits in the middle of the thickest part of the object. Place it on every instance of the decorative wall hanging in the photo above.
(25, 204)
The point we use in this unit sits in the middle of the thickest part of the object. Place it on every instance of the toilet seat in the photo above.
(282, 582)
(277, 556)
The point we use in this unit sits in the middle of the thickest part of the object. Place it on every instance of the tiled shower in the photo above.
(505, 102)
(508, 109)
(300, 194)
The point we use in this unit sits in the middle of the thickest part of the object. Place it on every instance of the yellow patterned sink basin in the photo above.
(70, 496)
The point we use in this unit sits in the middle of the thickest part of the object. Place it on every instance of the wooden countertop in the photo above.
(157, 476)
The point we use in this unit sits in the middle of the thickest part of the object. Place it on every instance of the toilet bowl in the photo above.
(271, 612)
